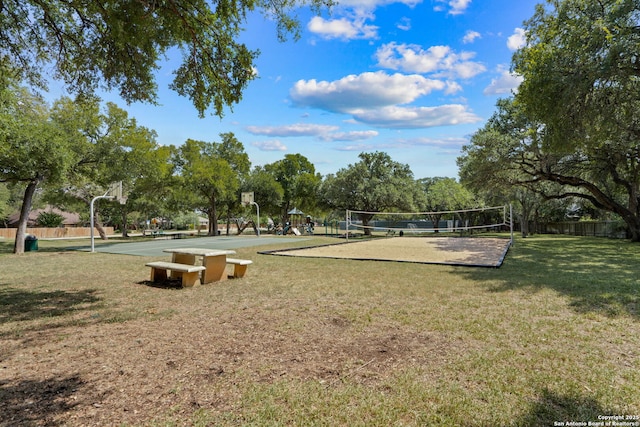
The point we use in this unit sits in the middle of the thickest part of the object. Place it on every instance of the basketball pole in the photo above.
(104, 196)
(258, 214)
(346, 224)
(246, 198)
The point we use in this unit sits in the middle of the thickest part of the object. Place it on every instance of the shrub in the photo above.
(49, 219)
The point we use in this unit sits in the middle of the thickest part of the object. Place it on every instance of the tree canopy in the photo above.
(299, 181)
(573, 128)
(32, 148)
(119, 45)
(373, 184)
(210, 176)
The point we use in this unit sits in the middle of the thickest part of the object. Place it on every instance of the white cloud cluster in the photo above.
(381, 99)
(322, 132)
(298, 129)
(376, 99)
(454, 7)
(353, 21)
(272, 145)
(442, 61)
(395, 117)
(343, 28)
(447, 145)
(350, 136)
(373, 4)
(517, 39)
(506, 83)
(471, 36)
(370, 89)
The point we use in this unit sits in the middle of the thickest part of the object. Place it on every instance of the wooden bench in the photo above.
(240, 266)
(190, 273)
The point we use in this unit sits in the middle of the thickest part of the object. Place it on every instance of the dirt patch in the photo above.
(126, 373)
(483, 252)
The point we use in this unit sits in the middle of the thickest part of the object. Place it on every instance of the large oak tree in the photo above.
(299, 181)
(373, 184)
(33, 149)
(573, 129)
(119, 44)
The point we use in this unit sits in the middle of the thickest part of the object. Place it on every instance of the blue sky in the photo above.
(410, 78)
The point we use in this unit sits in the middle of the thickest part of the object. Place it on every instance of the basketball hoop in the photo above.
(115, 192)
(246, 198)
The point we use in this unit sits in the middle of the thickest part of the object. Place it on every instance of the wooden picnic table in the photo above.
(213, 260)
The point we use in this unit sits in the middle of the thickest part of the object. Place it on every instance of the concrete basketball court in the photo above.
(156, 247)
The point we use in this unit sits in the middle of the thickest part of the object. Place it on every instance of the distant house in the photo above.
(69, 219)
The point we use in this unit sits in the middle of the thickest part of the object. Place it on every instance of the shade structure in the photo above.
(295, 211)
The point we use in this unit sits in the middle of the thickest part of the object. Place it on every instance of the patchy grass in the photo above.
(553, 335)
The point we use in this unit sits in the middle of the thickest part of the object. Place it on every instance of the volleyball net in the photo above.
(486, 219)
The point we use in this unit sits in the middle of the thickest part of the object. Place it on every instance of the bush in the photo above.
(49, 219)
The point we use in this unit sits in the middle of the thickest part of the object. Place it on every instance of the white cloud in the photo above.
(455, 7)
(367, 90)
(404, 24)
(445, 145)
(373, 4)
(343, 28)
(355, 147)
(440, 60)
(350, 136)
(517, 39)
(506, 83)
(450, 143)
(471, 36)
(375, 99)
(395, 117)
(298, 129)
(274, 145)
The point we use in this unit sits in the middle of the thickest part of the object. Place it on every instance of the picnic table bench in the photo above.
(190, 273)
(213, 260)
(240, 266)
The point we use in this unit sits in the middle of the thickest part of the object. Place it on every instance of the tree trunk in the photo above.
(633, 223)
(436, 222)
(366, 218)
(229, 221)
(213, 222)
(98, 225)
(125, 230)
(25, 210)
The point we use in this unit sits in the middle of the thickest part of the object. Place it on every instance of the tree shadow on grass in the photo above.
(37, 403)
(551, 407)
(163, 284)
(21, 305)
(6, 247)
(598, 275)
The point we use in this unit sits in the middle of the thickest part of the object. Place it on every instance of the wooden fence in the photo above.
(58, 232)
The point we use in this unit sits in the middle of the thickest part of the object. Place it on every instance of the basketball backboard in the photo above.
(246, 198)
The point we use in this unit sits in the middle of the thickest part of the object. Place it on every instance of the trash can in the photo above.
(30, 243)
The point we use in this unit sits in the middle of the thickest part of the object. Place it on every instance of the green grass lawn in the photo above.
(551, 336)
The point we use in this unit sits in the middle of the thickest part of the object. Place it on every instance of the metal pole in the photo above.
(92, 244)
(346, 224)
(92, 220)
(258, 214)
